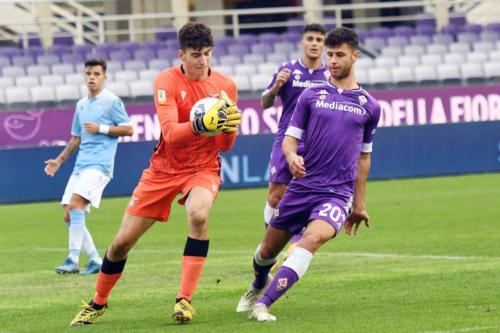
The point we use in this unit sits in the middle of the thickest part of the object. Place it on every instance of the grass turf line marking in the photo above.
(333, 254)
(466, 329)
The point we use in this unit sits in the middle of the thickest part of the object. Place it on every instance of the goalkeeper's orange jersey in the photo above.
(180, 149)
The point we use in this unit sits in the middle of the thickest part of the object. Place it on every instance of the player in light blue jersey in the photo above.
(100, 118)
(289, 81)
(337, 121)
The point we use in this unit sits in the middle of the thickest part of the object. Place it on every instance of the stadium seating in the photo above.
(405, 55)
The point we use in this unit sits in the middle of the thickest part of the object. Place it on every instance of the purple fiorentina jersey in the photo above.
(336, 126)
(300, 78)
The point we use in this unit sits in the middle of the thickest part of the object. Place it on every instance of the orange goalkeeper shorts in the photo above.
(156, 191)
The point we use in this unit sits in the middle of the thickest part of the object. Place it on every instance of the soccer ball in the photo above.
(202, 106)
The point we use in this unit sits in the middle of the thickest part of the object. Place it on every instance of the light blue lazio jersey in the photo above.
(97, 151)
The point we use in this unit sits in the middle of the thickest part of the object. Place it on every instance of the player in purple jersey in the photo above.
(289, 81)
(337, 121)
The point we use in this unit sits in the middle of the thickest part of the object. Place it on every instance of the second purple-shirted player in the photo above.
(336, 121)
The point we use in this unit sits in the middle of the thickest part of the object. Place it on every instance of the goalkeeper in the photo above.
(184, 161)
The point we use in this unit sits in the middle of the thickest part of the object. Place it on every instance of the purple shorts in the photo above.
(279, 173)
(296, 210)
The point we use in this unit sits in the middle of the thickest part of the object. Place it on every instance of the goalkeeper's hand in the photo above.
(213, 120)
(233, 114)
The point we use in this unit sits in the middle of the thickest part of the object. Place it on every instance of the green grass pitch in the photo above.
(429, 263)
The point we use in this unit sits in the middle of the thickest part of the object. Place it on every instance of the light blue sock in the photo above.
(76, 233)
(89, 248)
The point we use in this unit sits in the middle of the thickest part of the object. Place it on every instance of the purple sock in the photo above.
(283, 281)
(260, 273)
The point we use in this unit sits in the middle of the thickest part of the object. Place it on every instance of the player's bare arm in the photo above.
(295, 162)
(94, 128)
(52, 165)
(359, 213)
(268, 98)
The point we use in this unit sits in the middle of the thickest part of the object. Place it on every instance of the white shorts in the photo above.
(89, 184)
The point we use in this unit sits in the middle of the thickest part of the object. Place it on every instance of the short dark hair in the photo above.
(315, 27)
(341, 35)
(96, 62)
(195, 35)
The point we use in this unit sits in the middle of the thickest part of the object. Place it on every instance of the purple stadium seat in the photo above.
(63, 38)
(292, 37)
(38, 70)
(23, 61)
(403, 31)
(426, 20)
(420, 40)
(452, 30)
(159, 64)
(238, 49)
(457, 19)
(495, 27)
(247, 39)
(34, 51)
(224, 41)
(474, 28)
(467, 37)
(4, 61)
(382, 32)
(397, 41)
(104, 49)
(48, 59)
(269, 37)
(363, 33)
(58, 50)
(262, 48)
(84, 50)
(284, 47)
(13, 71)
(101, 54)
(153, 45)
(10, 51)
(65, 69)
(172, 44)
(489, 36)
(375, 43)
(219, 50)
(296, 25)
(134, 65)
(120, 55)
(164, 32)
(442, 39)
(144, 54)
(167, 54)
(130, 46)
(427, 30)
(72, 58)
(33, 40)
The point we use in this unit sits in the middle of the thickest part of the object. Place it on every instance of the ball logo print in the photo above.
(199, 109)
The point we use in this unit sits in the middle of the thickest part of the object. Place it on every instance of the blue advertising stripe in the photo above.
(411, 151)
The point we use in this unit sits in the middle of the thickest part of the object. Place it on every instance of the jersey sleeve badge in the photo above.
(162, 97)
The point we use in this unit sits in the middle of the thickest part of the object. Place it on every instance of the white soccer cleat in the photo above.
(260, 312)
(251, 296)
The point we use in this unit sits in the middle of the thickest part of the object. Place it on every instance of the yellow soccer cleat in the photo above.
(88, 314)
(183, 312)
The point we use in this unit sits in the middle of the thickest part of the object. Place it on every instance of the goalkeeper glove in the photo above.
(211, 121)
(233, 114)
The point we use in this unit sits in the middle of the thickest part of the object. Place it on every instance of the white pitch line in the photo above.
(466, 329)
(331, 254)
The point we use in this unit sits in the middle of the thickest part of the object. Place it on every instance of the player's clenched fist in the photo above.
(282, 77)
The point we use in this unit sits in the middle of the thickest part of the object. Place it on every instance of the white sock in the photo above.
(76, 232)
(89, 248)
(268, 213)
(299, 261)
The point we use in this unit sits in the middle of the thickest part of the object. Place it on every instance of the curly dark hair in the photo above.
(96, 62)
(341, 35)
(195, 35)
(314, 27)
